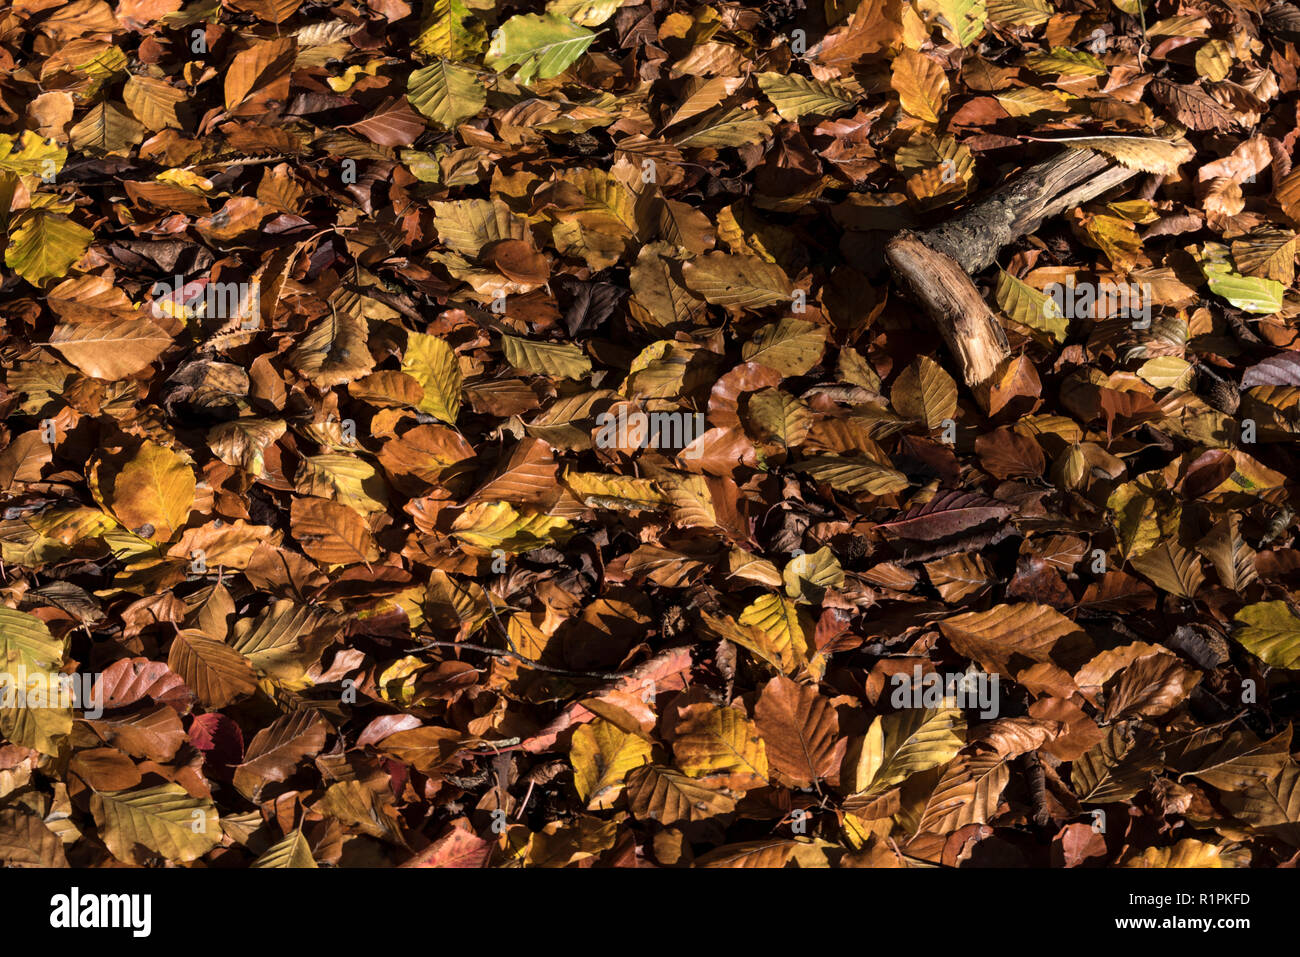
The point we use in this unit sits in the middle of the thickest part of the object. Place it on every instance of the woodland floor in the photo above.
(488, 434)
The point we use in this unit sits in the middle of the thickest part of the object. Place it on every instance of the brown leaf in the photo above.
(800, 730)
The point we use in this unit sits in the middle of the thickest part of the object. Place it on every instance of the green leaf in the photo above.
(1270, 632)
(27, 651)
(734, 127)
(27, 154)
(1250, 293)
(446, 93)
(962, 20)
(449, 30)
(542, 46)
(1029, 307)
(1065, 63)
(558, 360)
(45, 246)
(1020, 13)
(795, 96)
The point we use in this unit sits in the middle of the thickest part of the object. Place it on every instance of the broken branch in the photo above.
(934, 267)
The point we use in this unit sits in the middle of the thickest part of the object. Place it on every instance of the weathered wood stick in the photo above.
(1021, 205)
(934, 267)
(938, 283)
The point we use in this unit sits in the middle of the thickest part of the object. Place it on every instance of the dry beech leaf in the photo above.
(800, 728)
(331, 533)
(600, 434)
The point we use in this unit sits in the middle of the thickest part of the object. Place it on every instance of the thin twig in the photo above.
(536, 665)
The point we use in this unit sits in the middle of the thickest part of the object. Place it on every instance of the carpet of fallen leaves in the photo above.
(475, 433)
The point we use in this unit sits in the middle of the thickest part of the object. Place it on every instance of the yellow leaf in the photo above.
(29, 155)
(1065, 62)
(745, 282)
(602, 754)
(163, 819)
(1020, 13)
(1270, 631)
(497, 525)
(732, 127)
(1029, 307)
(1027, 101)
(433, 364)
(619, 492)
(1146, 153)
(186, 179)
(791, 346)
(1117, 238)
(775, 416)
(449, 29)
(45, 245)
(467, 225)
(778, 630)
(585, 13)
(294, 851)
(28, 651)
(558, 360)
(1186, 853)
(818, 570)
(854, 474)
(154, 493)
(962, 21)
(925, 392)
(796, 96)
(1214, 60)
(153, 101)
(1166, 372)
(720, 742)
(901, 744)
(921, 84)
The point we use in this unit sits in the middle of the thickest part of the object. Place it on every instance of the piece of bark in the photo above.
(1022, 204)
